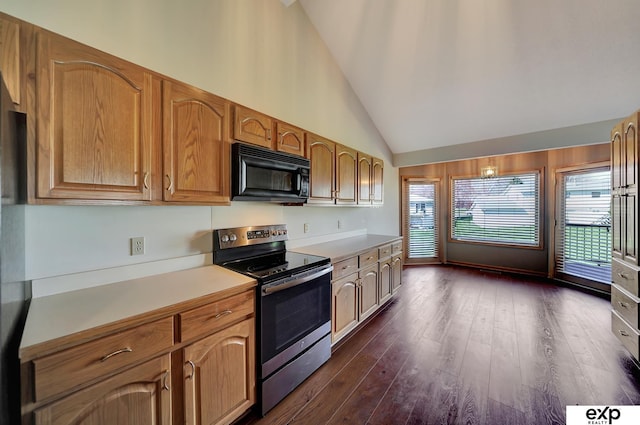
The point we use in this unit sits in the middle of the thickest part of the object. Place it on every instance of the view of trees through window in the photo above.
(499, 210)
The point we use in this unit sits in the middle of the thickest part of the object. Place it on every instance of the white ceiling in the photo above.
(434, 73)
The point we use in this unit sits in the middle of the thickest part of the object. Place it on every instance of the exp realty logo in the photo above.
(603, 415)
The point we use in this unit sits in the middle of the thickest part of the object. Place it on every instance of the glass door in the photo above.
(583, 227)
(420, 220)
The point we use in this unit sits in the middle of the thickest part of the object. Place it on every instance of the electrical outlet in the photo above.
(306, 227)
(137, 246)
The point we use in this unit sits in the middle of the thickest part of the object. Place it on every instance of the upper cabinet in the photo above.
(195, 145)
(377, 175)
(10, 64)
(365, 166)
(322, 157)
(346, 175)
(94, 123)
(290, 139)
(252, 127)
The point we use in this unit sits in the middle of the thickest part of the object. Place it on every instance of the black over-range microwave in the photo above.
(259, 174)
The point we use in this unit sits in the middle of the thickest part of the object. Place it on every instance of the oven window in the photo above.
(291, 314)
(268, 179)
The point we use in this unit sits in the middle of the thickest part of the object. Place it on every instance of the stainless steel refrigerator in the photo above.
(14, 290)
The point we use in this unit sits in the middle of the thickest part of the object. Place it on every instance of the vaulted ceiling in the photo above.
(434, 73)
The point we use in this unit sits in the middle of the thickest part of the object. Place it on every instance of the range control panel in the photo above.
(250, 235)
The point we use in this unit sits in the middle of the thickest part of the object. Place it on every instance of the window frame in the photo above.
(540, 212)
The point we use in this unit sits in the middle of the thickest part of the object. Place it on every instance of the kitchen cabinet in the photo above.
(365, 167)
(94, 123)
(377, 184)
(10, 58)
(141, 395)
(289, 139)
(624, 227)
(346, 175)
(219, 375)
(362, 282)
(191, 358)
(252, 127)
(196, 144)
(344, 305)
(321, 153)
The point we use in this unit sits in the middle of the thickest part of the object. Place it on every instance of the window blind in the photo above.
(498, 210)
(420, 218)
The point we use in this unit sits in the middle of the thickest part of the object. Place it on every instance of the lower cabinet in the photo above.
(141, 395)
(219, 374)
(125, 377)
(362, 284)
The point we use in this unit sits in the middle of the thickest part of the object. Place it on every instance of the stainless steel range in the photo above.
(293, 306)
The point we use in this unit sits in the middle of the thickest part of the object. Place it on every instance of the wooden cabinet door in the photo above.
(322, 157)
(377, 181)
(364, 179)
(630, 224)
(219, 375)
(346, 175)
(368, 294)
(252, 127)
(196, 145)
(94, 123)
(141, 395)
(386, 277)
(344, 306)
(10, 57)
(396, 272)
(618, 208)
(290, 139)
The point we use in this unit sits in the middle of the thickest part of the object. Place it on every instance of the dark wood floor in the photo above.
(463, 346)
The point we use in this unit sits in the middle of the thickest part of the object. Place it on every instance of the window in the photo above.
(499, 210)
(419, 218)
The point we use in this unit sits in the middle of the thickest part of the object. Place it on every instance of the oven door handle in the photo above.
(295, 282)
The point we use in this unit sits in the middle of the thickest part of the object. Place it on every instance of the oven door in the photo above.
(294, 314)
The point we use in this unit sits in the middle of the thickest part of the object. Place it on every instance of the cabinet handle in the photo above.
(345, 267)
(145, 180)
(170, 182)
(222, 314)
(115, 353)
(193, 369)
(165, 386)
(623, 276)
(369, 258)
(623, 333)
(623, 304)
(268, 134)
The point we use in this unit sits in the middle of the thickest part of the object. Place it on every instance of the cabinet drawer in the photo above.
(625, 275)
(66, 369)
(368, 258)
(384, 251)
(345, 267)
(396, 247)
(625, 305)
(626, 334)
(203, 320)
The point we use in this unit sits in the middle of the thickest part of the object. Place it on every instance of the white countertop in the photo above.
(343, 248)
(70, 313)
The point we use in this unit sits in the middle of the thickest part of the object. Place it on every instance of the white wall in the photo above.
(255, 52)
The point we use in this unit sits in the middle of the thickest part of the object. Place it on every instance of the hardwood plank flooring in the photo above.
(465, 346)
